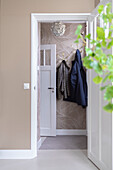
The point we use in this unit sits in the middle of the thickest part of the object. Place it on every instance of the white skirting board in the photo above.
(19, 154)
(71, 132)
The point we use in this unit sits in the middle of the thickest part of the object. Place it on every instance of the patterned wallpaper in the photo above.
(69, 115)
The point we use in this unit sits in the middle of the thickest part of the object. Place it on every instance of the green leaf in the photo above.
(105, 18)
(104, 87)
(111, 77)
(108, 107)
(110, 66)
(104, 67)
(94, 42)
(78, 30)
(87, 62)
(79, 36)
(99, 51)
(97, 67)
(97, 80)
(110, 44)
(108, 9)
(98, 45)
(110, 56)
(88, 51)
(104, 43)
(111, 27)
(108, 95)
(88, 36)
(100, 9)
(97, 58)
(76, 41)
(109, 17)
(106, 78)
(100, 33)
(110, 35)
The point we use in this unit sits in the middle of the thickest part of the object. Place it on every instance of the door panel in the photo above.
(48, 90)
(94, 117)
(99, 121)
(45, 104)
(106, 135)
(93, 105)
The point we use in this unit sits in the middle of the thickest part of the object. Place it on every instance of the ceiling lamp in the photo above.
(58, 28)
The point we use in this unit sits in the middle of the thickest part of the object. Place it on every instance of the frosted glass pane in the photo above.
(41, 57)
(48, 57)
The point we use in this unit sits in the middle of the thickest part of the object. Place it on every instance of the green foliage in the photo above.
(108, 95)
(109, 107)
(97, 80)
(100, 9)
(78, 31)
(103, 88)
(88, 36)
(98, 57)
(100, 33)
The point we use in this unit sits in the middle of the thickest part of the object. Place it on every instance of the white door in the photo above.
(99, 121)
(48, 90)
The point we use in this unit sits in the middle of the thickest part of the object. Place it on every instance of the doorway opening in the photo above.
(63, 123)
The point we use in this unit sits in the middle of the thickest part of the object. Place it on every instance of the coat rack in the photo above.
(67, 58)
(73, 51)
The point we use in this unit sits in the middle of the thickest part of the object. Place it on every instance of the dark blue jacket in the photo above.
(78, 88)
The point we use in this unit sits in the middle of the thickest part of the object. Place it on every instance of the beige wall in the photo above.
(15, 64)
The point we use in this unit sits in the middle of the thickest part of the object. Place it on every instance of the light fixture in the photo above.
(58, 28)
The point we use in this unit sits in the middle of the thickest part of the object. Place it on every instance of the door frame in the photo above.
(37, 18)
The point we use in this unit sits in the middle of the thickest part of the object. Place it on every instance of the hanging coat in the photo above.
(78, 89)
(62, 80)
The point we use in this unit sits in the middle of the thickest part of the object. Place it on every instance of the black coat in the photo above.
(62, 83)
(78, 88)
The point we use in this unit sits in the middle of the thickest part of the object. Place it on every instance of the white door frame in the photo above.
(35, 19)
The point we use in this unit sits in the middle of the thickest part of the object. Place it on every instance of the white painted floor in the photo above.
(51, 160)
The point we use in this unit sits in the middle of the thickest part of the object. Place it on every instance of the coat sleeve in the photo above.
(74, 75)
(58, 83)
(73, 81)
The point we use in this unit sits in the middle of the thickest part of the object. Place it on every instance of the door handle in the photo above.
(50, 88)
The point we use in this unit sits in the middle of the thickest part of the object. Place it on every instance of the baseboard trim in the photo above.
(71, 132)
(17, 154)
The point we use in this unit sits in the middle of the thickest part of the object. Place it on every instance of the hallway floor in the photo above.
(51, 160)
(64, 142)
